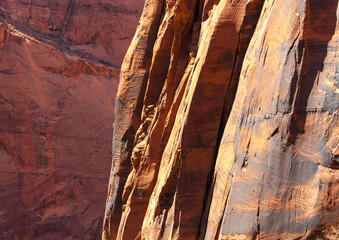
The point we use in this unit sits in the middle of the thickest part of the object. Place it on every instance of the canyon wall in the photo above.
(226, 123)
(59, 71)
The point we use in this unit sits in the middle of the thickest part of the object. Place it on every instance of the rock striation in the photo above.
(102, 29)
(226, 123)
(59, 70)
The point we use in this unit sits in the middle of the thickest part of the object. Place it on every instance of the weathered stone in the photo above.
(226, 123)
(102, 29)
(57, 88)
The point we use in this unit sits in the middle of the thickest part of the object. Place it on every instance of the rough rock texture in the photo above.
(99, 28)
(56, 113)
(226, 123)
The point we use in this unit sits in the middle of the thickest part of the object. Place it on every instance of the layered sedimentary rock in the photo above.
(102, 29)
(226, 123)
(57, 91)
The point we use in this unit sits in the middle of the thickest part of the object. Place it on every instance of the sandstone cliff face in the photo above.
(226, 123)
(57, 91)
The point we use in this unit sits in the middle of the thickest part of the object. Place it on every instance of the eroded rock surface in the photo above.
(59, 70)
(99, 28)
(226, 123)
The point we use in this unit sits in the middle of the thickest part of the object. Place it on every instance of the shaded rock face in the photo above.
(226, 123)
(102, 29)
(56, 113)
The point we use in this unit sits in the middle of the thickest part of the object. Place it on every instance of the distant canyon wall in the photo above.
(59, 70)
(101, 29)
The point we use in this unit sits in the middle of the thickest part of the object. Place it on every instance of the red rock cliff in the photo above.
(59, 68)
(226, 123)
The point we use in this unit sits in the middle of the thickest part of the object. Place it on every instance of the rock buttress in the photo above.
(226, 123)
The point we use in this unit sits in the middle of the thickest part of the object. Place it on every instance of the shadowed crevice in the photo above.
(252, 13)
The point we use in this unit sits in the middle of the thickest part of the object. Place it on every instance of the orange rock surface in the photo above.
(226, 123)
(59, 69)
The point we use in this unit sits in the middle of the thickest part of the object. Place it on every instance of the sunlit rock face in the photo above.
(59, 71)
(226, 123)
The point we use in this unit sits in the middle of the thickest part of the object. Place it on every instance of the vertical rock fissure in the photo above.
(68, 16)
(255, 6)
(154, 138)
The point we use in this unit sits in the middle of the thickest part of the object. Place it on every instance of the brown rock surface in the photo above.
(226, 123)
(100, 28)
(58, 79)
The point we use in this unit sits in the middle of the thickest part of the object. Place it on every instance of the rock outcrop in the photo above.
(226, 123)
(59, 70)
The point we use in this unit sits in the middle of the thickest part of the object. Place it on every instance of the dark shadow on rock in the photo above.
(319, 28)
